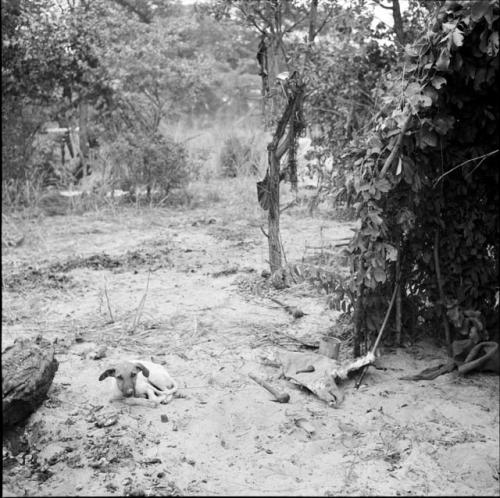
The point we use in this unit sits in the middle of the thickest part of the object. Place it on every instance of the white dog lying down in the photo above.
(139, 378)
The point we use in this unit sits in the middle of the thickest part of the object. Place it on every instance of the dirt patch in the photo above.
(35, 277)
(207, 316)
(54, 275)
(131, 260)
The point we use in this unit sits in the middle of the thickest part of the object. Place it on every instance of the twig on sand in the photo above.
(279, 396)
(381, 331)
(141, 306)
(195, 332)
(293, 310)
(107, 301)
(290, 338)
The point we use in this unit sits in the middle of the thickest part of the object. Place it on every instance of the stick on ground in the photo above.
(107, 301)
(281, 397)
(381, 331)
(141, 305)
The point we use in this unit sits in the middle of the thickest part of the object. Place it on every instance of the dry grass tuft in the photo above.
(205, 144)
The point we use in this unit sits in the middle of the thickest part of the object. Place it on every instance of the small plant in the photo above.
(238, 157)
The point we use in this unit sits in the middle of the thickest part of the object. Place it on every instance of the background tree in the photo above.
(114, 70)
(283, 61)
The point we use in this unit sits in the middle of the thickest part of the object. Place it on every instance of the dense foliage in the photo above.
(426, 187)
(49, 63)
(347, 86)
(117, 70)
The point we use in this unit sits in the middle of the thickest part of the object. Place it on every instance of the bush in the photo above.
(238, 157)
(155, 162)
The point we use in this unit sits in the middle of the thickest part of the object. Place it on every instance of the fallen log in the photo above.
(28, 368)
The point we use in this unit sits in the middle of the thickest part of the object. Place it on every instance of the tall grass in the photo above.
(18, 194)
(205, 144)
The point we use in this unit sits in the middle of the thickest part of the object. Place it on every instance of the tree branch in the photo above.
(398, 22)
(251, 19)
(144, 14)
(266, 21)
(295, 24)
(483, 157)
(327, 17)
(395, 149)
(380, 4)
(312, 22)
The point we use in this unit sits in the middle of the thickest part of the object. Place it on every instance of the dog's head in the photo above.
(125, 374)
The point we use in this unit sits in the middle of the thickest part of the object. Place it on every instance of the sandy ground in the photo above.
(207, 316)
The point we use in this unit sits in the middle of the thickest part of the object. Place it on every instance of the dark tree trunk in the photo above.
(289, 125)
(274, 170)
(398, 22)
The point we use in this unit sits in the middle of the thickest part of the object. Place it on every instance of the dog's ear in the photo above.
(110, 372)
(142, 368)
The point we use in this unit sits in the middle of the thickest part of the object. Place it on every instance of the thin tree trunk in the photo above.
(350, 120)
(274, 212)
(63, 151)
(398, 299)
(84, 137)
(313, 18)
(439, 279)
(398, 22)
(275, 250)
(358, 322)
(274, 170)
(271, 99)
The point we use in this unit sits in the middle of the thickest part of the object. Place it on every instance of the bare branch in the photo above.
(325, 20)
(107, 301)
(482, 158)
(266, 21)
(380, 4)
(283, 51)
(395, 149)
(295, 24)
(251, 19)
